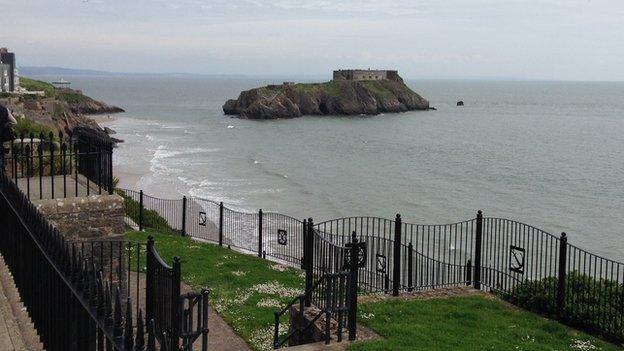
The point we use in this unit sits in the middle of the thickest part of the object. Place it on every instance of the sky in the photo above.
(519, 39)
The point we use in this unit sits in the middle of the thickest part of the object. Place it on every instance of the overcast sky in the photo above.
(546, 39)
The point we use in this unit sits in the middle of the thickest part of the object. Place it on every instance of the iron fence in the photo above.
(48, 168)
(524, 264)
(93, 290)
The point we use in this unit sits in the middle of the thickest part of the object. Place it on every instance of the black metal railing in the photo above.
(163, 294)
(172, 311)
(192, 328)
(265, 234)
(98, 169)
(333, 305)
(92, 291)
(60, 166)
(526, 265)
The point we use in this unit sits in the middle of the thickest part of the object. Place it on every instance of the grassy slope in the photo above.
(50, 91)
(37, 85)
(233, 278)
(461, 323)
(466, 323)
(26, 127)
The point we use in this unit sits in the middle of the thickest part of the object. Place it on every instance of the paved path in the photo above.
(16, 330)
(30, 187)
(221, 337)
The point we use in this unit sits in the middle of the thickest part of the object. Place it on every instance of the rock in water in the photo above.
(337, 97)
(460, 103)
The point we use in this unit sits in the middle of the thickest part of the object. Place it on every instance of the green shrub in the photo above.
(26, 127)
(593, 304)
(151, 219)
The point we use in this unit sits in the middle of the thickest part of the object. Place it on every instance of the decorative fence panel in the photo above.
(203, 219)
(282, 237)
(240, 230)
(436, 255)
(156, 209)
(376, 275)
(513, 252)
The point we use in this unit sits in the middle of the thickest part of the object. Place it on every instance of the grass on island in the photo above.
(245, 290)
(333, 88)
(466, 323)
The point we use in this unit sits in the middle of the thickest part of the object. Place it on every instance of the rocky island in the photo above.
(350, 92)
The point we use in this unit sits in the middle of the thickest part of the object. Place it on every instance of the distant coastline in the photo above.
(42, 106)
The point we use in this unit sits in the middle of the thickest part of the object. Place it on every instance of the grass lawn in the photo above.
(466, 323)
(245, 290)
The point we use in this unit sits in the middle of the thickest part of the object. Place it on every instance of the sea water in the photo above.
(550, 154)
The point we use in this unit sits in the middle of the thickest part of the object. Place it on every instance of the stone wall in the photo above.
(365, 74)
(92, 217)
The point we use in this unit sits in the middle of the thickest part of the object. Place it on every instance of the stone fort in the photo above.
(366, 74)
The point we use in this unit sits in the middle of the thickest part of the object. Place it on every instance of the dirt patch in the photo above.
(439, 293)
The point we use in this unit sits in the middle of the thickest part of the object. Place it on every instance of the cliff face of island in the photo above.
(57, 110)
(337, 97)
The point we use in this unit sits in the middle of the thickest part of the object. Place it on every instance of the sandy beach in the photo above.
(128, 176)
(102, 120)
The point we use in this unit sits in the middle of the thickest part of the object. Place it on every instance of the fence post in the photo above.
(221, 224)
(309, 262)
(51, 145)
(478, 242)
(468, 272)
(111, 179)
(140, 210)
(176, 306)
(396, 261)
(260, 233)
(184, 215)
(353, 286)
(304, 237)
(2, 154)
(561, 281)
(410, 272)
(149, 278)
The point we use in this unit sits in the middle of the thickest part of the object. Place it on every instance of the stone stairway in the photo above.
(16, 330)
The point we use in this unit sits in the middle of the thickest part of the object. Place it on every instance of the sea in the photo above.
(549, 154)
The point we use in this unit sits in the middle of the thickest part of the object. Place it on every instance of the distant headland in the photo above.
(350, 92)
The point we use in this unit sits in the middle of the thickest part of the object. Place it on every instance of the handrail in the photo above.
(390, 221)
(521, 223)
(328, 310)
(329, 242)
(158, 258)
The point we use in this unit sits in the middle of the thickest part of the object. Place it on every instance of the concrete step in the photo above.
(321, 346)
(16, 329)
